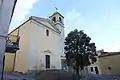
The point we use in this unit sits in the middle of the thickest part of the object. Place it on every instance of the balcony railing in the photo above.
(12, 44)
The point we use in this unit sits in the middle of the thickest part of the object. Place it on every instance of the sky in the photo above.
(100, 19)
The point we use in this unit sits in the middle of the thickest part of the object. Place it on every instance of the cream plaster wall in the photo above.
(40, 42)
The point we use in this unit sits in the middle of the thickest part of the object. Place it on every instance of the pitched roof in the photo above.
(105, 54)
(56, 12)
(44, 21)
(18, 27)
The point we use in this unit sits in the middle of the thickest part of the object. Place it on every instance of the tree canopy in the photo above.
(79, 50)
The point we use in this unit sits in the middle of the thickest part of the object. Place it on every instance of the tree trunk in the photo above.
(86, 72)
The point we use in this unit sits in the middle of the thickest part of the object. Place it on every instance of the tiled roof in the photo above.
(104, 54)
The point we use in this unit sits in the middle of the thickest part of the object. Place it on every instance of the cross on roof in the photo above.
(56, 8)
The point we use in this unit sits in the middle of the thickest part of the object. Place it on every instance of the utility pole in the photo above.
(6, 12)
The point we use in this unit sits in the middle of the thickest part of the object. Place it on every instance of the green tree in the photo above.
(79, 51)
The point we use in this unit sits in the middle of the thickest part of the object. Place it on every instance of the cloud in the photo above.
(23, 8)
(105, 18)
(76, 20)
(73, 20)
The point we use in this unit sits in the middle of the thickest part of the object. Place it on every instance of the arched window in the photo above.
(60, 19)
(47, 32)
(54, 19)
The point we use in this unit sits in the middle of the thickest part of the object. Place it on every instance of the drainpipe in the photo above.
(6, 13)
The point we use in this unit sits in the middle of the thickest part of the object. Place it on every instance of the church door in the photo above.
(47, 61)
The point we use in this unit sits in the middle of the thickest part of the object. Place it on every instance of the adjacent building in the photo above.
(41, 44)
(95, 68)
(107, 63)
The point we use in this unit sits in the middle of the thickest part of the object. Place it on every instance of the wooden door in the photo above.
(47, 61)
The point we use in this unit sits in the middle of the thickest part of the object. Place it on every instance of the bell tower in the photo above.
(58, 21)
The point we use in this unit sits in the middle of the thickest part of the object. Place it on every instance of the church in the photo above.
(41, 44)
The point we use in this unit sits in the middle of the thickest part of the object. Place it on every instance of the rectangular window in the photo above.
(47, 32)
(96, 70)
(91, 69)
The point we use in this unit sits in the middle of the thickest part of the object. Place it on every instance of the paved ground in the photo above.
(54, 75)
(63, 75)
(15, 76)
(103, 77)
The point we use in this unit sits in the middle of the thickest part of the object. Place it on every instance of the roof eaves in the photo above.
(56, 13)
(19, 26)
(43, 19)
(45, 25)
(109, 54)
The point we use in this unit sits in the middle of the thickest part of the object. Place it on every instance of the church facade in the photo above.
(41, 44)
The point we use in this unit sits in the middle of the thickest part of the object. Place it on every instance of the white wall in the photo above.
(39, 43)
